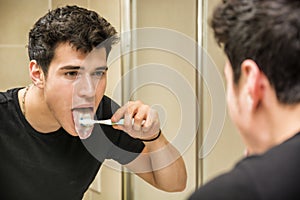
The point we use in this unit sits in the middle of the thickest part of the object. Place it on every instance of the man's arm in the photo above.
(160, 164)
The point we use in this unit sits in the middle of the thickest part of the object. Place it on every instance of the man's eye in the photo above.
(72, 74)
(98, 74)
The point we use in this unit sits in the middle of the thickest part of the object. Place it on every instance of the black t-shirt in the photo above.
(273, 175)
(55, 165)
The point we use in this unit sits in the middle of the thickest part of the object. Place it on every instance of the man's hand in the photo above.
(140, 120)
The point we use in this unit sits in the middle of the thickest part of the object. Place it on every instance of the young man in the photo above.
(262, 42)
(41, 156)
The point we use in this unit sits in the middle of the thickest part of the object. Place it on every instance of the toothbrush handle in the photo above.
(121, 122)
(109, 122)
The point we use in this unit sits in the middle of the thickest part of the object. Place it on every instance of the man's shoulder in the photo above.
(286, 152)
(251, 175)
(234, 184)
(107, 101)
(107, 107)
(6, 96)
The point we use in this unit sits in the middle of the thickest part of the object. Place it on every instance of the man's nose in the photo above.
(86, 86)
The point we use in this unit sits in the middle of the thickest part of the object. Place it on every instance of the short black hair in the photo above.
(83, 29)
(268, 32)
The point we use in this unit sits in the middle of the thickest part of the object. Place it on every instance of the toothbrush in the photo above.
(91, 122)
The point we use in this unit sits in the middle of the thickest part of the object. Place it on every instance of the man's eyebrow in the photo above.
(103, 68)
(71, 67)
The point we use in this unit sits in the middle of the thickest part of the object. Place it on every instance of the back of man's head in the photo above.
(268, 32)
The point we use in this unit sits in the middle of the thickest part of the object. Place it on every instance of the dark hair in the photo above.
(268, 32)
(82, 28)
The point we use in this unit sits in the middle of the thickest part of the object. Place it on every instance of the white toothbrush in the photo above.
(91, 122)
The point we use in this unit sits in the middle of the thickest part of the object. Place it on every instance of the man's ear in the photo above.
(36, 74)
(253, 83)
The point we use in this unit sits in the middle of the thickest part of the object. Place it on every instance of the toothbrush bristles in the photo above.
(86, 122)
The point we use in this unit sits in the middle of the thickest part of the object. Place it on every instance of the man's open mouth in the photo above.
(80, 113)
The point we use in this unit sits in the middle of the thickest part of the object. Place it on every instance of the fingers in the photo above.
(140, 120)
(152, 121)
(140, 117)
(119, 114)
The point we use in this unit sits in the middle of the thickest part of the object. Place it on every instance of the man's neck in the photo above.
(36, 110)
(276, 126)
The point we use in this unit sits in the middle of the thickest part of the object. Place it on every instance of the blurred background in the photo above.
(185, 18)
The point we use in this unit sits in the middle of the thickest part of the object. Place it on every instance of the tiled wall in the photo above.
(15, 21)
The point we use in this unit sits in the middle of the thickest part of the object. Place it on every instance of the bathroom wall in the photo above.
(175, 18)
(229, 147)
